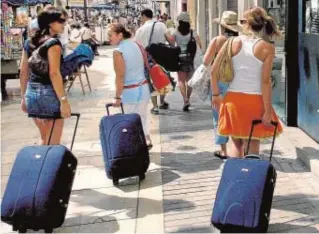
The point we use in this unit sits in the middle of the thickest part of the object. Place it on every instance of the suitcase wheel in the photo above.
(115, 182)
(14, 228)
(22, 230)
(48, 230)
(142, 177)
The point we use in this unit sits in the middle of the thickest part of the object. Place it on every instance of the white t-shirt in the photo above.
(75, 36)
(143, 34)
(86, 33)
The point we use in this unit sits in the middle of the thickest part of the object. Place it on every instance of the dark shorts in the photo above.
(42, 101)
(186, 64)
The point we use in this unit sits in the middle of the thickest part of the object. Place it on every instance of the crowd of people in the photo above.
(234, 105)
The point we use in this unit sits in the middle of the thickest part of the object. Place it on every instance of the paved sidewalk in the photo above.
(95, 204)
(191, 174)
(180, 186)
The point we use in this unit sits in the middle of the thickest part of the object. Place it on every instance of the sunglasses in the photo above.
(61, 20)
(243, 21)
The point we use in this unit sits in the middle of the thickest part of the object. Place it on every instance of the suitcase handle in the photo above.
(256, 122)
(108, 105)
(76, 127)
(253, 157)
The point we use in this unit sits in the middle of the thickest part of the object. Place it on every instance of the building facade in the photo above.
(295, 73)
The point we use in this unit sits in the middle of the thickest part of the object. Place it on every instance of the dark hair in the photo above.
(119, 28)
(148, 13)
(184, 28)
(49, 15)
(230, 33)
(258, 19)
(86, 24)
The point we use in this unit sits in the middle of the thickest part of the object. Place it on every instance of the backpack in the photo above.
(191, 46)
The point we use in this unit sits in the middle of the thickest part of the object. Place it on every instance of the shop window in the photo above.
(311, 14)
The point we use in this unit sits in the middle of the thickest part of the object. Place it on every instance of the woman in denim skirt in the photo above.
(42, 91)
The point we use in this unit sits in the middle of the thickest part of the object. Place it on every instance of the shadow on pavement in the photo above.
(108, 224)
(116, 203)
(190, 162)
(283, 227)
(298, 203)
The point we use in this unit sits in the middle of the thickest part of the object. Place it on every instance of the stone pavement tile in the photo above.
(118, 226)
(191, 173)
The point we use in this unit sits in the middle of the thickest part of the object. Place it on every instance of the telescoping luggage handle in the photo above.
(256, 122)
(76, 127)
(108, 105)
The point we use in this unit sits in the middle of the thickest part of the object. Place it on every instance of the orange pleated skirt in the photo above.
(237, 112)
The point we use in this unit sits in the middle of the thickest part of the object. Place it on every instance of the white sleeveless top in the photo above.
(247, 69)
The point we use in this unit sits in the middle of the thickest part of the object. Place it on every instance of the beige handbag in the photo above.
(225, 69)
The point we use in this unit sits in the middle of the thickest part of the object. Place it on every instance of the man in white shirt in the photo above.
(142, 36)
(64, 37)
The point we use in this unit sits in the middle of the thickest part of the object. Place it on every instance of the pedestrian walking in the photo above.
(249, 94)
(160, 35)
(229, 27)
(42, 90)
(131, 84)
(187, 39)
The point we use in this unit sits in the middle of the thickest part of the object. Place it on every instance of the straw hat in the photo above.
(229, 20)
(184, 16)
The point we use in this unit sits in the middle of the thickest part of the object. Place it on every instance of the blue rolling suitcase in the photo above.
(245, 193)
(124, 145)
(39, 187)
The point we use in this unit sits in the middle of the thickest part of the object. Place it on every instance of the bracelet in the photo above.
(117, 98)
(216, 95)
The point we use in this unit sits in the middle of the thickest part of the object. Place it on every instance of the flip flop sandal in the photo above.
(218, 155)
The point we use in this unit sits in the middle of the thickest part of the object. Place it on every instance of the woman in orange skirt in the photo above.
(249, 94)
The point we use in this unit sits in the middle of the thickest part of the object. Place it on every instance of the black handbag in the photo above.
(165, 55)
(37, 63)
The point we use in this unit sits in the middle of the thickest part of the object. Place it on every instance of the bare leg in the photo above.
(254, 146)
(162, 98)
(237, 148)
(182, 85)
(154, 101)
(40, 125)
(57, 131)
(189, 89)
(223, 150)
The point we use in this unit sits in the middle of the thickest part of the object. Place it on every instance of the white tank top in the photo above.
(247, 69)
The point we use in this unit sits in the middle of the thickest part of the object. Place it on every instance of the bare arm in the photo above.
(54, 57)
(214, 71)
(266, 81)
(210, 52)
(24, 73)
(119, 67)
(170, 38)
(199, 42)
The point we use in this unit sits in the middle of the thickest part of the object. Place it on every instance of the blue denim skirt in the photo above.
(42, 102)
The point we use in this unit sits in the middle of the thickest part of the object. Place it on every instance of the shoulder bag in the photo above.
(225, 69)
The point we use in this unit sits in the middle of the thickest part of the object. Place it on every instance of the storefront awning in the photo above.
(14, 2)
(26, 2)
(35, 2)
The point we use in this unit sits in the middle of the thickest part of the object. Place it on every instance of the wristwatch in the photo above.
(64, 98)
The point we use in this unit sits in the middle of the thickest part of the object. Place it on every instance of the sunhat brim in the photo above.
(233, 27)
